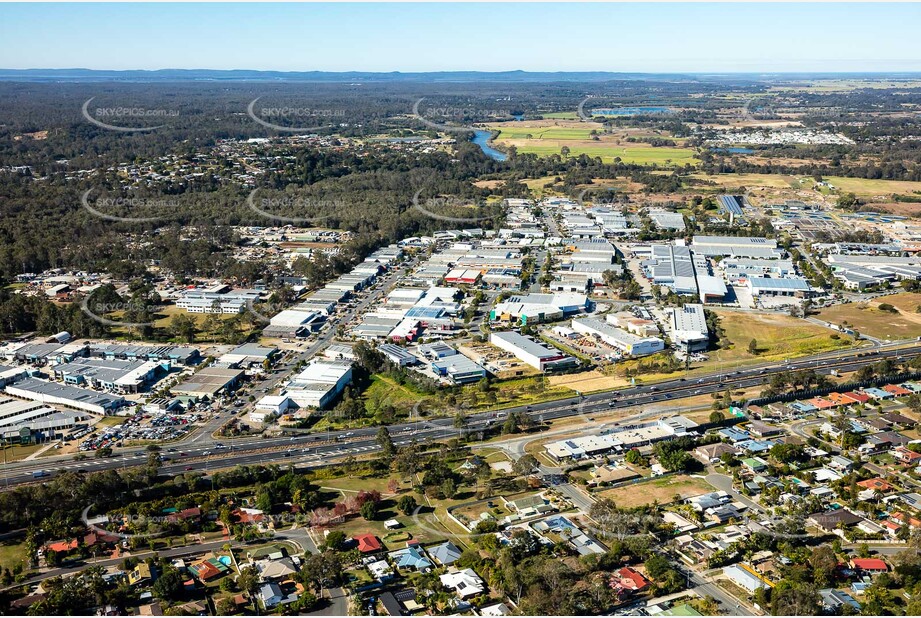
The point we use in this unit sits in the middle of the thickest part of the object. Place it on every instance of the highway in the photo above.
(313, 449)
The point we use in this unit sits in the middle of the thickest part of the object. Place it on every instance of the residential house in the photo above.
(628, 581)
(869, 565)
(368, 543)
(411, 558)
(833, 600)
(466, 584)
(445, 554)
(142, 574)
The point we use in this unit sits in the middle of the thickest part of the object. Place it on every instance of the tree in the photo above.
(753, 346)
(386, 443)
(407, 504)
(717, 417)
(248, 581)
(169, 586)
(368, 510)
(525, 464)
(336, 539)
(183, 327)
(823, 562)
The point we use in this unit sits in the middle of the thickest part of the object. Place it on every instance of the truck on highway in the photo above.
(37, 474)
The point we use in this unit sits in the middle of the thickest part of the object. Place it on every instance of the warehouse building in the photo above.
(688, 327)
(53, 393)
(628, 343)
(535, 308)
(737, 247)
(248, 354)
(622, 440)
(122, 376)
(397, 355)
(26, 421)
(532, 353)
(788, 286)
(209, 382)
(320, 383)
(294, 322)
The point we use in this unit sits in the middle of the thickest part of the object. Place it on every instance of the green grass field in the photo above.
(562, 115)
(512, 131)
(642, 155)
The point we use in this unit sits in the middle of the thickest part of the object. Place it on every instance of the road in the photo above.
(311, 449)
(724, 483)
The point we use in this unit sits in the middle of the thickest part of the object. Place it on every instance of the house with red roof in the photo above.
(184, 514)
(869, 565)
(891, 527)
(857, 396)
(839, 399)
(906, 456)
(876, 484)
(902, 518)
(62, 546)
(627, 581)
(368, 543)
(248, 516)
(822, 403)
(896, 390)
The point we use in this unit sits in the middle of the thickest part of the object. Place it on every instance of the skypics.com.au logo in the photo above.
(292, 119)
(116, 118)
(309, 210)
(129, 209)
(447, 118)
(437, 208)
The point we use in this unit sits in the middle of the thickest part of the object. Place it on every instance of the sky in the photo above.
(621, 37)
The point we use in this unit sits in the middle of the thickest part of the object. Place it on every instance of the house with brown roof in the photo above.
(184, 514)
(713, 452)
(830, 521)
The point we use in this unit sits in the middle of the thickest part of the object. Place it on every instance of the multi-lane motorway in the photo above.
(316, 449)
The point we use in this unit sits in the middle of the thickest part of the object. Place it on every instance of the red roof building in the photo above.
(193, 513)
(628, 580)
(858, 396)
(368, 543)
(59, 546)
(822, 404)
(896, 390)
(906, 456)
(870, 565)
(876, 484)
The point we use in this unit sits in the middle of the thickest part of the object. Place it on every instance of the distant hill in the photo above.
(188, 75)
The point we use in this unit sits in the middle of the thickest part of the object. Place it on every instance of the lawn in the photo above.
(561, 115)
(662, 489)
(548, 137)
(869, 320)
(628, 153)
(12, 552)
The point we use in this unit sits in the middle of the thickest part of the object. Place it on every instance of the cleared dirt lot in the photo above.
(662, 490)
(868, 319)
